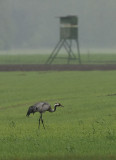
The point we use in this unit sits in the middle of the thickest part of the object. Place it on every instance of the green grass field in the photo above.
(84, 129)
(34, 58)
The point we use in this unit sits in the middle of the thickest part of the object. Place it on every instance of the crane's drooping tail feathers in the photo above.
(32, 109)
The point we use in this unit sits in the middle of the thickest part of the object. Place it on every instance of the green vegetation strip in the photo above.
(84, 129)
(33, 58)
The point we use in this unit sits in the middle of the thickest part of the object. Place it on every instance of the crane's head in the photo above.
(30, 110)
(58, 105)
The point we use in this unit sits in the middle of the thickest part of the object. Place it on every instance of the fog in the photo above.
(33, 24)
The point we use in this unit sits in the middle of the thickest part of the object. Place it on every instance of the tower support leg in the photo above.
(55, 52)
(78, 50)
(68, 47)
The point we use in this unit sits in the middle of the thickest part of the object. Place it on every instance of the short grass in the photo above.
(13, 58)
(84, 129)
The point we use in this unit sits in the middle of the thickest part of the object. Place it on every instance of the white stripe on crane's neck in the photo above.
(56, 104)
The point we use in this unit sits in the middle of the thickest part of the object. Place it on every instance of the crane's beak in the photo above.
(62, 106)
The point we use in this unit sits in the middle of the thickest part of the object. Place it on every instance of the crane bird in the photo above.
(42, 107)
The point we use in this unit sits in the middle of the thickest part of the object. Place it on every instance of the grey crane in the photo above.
(42, 107)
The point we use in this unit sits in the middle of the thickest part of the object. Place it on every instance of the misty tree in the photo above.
(18, 23)
(7, 27)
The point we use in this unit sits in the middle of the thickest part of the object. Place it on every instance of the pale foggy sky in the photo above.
(97, 21)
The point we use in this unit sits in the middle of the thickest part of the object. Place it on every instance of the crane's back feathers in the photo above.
(42, 107)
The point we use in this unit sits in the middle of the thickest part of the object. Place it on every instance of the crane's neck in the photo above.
(53, 110)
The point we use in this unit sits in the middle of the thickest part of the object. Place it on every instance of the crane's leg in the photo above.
(42, 121)
(39, 122)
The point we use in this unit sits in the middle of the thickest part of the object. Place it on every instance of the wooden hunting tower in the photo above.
(68, 34)
(68, 27)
